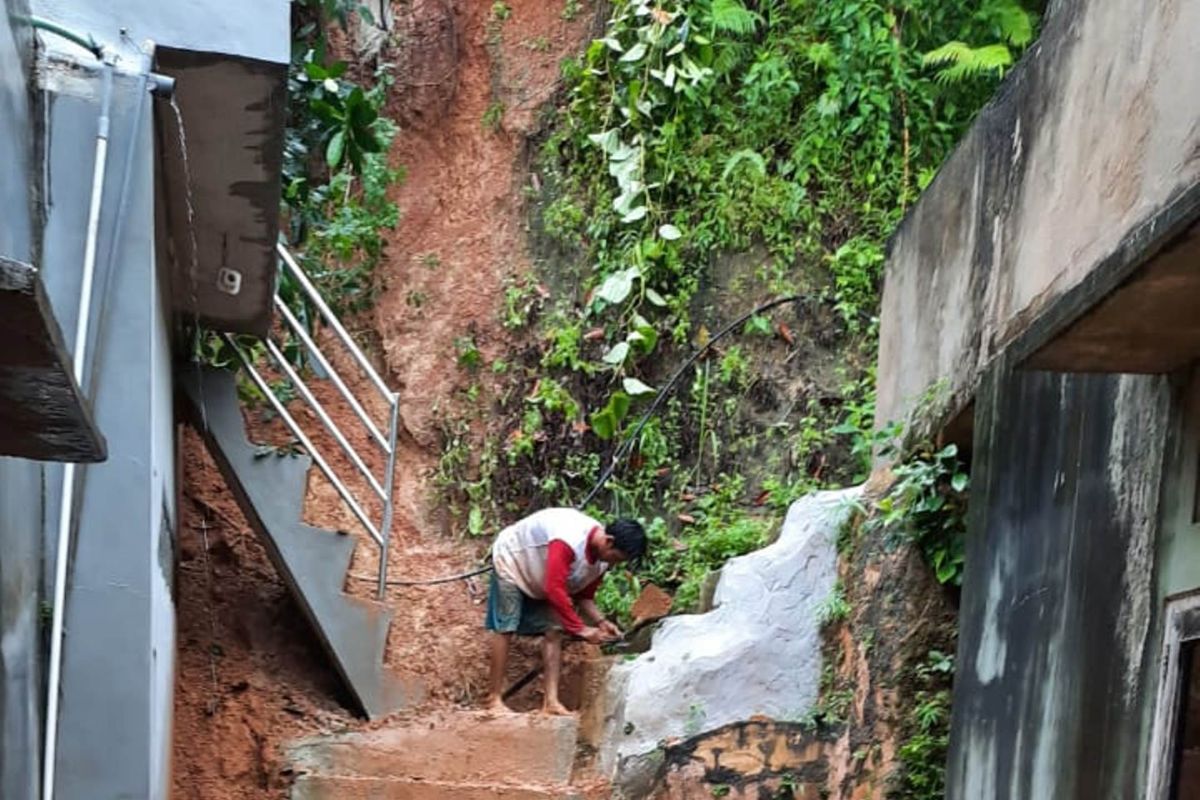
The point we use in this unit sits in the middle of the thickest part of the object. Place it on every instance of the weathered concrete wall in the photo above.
(748, 760)
(758, 652)
(229, 59)
(1059, 598)
(120, 619)
(1091, 141)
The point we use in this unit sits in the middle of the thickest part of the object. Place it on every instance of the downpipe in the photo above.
(67, 501)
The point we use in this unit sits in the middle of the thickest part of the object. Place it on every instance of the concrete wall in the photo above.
(1059, 602)
(16, 141)
(229, 59)
(1090, 141)
(20, 481)
(21, 661)
(115, 731)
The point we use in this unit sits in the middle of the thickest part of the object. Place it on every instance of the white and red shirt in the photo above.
(548, 558)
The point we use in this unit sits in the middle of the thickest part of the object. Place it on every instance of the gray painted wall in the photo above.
(20, 481)
(115, 731)
(1057, 623)
(1089, 138)
(257, 30)
(229, 59)
(21, 661)
(16, 230)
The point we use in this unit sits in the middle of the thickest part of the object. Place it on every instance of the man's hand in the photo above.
(610, 629)
(598, 635)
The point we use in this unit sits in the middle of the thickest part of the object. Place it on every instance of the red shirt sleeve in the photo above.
(589, 591)
(558, 566)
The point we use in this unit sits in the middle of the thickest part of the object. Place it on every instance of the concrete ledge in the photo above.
(465, 748)
(43, 413)
(327, 788)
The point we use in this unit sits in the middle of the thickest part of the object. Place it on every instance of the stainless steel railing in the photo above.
(383, 438)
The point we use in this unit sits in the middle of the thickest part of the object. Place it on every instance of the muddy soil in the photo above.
(251, 676)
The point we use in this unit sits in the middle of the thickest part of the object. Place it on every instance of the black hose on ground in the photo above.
(627, 444)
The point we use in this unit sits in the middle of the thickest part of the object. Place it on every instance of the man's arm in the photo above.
(586, 600)
(558, 566)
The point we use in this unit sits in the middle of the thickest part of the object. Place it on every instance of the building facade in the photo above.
(139, 170)
(1041, 298)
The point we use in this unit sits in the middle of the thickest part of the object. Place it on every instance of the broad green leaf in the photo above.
(959, 481)
(635, 214)
(636, 388)
(669, 232)
(475, 521)
(635, 53)
(603, 424)
(616, 287)
(617, 355)
(608, 140)
(613, 44)
(335, 149)
(643, 337)
(655, 298)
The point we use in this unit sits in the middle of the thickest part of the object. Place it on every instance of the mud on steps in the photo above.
(461, 755)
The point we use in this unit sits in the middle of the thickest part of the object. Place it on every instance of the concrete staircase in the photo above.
(447, 756)
(312, 561)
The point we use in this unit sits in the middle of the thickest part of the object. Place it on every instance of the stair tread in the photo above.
(324, 787)
(463, 747)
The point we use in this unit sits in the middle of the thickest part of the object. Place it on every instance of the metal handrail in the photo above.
(323, 415)
(302, 437)
(334, 322)
(310, 345)
(385, 441)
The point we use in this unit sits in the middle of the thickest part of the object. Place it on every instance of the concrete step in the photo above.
(312, 787)
(464, 748)
(312, 562)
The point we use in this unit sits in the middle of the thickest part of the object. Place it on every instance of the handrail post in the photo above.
(385, 530)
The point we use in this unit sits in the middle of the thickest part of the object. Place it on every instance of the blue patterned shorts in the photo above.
(509, 610)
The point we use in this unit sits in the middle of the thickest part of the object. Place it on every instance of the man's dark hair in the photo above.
(629, 537)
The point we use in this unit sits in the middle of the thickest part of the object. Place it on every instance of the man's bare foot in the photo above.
(555, 709)
(495, 705)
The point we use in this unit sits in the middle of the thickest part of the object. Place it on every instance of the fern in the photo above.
(750, 157)
(1012, 22)
(730, 56)
(733, 17)
(960, 62)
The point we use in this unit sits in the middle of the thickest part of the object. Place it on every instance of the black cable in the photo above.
(626, 446)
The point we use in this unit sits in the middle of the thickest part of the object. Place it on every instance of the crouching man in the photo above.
(545, 565)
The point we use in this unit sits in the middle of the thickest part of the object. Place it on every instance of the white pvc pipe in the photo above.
(62, 553)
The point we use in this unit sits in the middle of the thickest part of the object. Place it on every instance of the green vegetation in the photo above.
(336, 170)
(922, 754)
(336, 178)
(794, 134)
(926, 507)
(493, 116)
